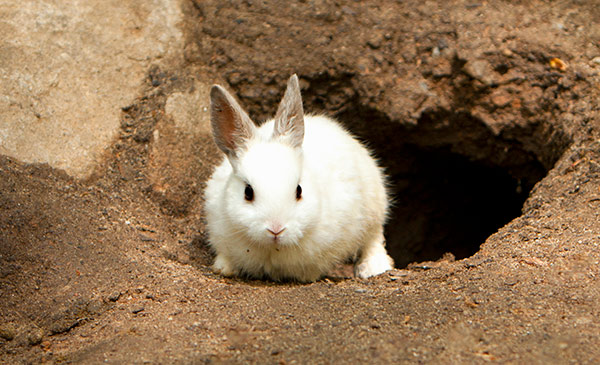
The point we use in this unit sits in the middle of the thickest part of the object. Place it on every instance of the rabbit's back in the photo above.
(344, 166)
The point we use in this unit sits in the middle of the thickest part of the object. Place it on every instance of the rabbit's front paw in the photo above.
(223, 266)
(373, 265)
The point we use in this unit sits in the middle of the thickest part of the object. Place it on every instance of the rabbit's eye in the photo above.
(298, 192)
(249, 193)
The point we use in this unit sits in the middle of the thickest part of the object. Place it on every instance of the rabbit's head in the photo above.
(268, 198)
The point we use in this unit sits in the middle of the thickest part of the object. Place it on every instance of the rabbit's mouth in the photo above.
(279, 241)
(278, 234)
(276, 240)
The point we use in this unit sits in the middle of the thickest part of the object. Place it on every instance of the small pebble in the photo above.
(95, 306)
(361, 290)
(46, 345)
(114, 296)
(35, 337)
(234, 78)
(145, 238)
(480, 70)
(378, 58)
(501, 99)
(136, 309)
(7, 331)
(375, 41)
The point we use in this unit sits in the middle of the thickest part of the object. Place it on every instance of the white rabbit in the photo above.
(295, 196)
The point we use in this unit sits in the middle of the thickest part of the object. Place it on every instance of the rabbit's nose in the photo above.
(276, 229)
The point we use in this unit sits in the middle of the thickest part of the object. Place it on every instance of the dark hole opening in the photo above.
(444, 201)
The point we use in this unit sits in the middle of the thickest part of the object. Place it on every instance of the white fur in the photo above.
(340, 215)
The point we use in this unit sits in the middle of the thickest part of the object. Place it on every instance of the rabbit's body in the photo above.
(290, 206)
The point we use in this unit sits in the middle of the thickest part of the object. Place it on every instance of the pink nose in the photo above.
(276, 230)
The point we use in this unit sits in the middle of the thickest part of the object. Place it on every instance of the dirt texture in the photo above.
(486, 117)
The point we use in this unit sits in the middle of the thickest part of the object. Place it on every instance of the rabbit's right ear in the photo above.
(289, 119)
(231, 126)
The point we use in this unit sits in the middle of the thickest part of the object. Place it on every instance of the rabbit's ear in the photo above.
(289, 119)
(231, 126)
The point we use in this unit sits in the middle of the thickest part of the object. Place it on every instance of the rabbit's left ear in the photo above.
(231, 126)
(289, 119)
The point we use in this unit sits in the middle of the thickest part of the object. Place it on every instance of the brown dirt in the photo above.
(493, 156)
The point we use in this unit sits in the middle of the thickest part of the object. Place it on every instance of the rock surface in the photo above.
(66, 70)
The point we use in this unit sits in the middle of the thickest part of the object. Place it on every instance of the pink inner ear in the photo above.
(231, 125)
(228, 127)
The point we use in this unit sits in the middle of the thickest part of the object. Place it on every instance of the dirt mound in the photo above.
(486, 119)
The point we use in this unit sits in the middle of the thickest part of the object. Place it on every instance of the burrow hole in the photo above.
(443, 202)
(449, 188)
